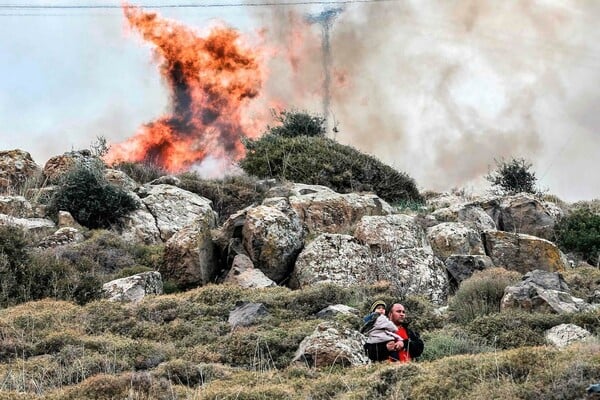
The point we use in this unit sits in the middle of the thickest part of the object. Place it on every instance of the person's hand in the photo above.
(395, 346)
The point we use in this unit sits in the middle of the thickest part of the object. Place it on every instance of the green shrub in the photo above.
(321, 161)
(228, 195)
(90, 198)
(513, 176)
(481, 294)
(449, 342)
(296, 123)
(579, 232)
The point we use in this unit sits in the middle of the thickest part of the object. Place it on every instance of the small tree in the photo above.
(513, 176)
(297, 123)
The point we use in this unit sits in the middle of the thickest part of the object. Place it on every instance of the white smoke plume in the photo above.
(441, 89)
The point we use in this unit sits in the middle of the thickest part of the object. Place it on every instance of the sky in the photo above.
(437, 89)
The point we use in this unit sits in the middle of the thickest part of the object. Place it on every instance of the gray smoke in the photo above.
(441, 89)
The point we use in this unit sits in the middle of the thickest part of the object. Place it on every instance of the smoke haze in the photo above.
(442, 89)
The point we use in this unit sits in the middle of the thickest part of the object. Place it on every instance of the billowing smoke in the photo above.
(440, 89)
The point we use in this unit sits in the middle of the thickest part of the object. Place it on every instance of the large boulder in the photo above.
(120, 179)
(331, 212)
(133, 288)
(16, 168)
(343, 260)
(332, 344)
(174, 208)
(470, 215)
(388, 232)
(450, 238)
(189, 258)
(272, 240)
(542, 291)
(139, 226)
(522, 213)
(523, 253)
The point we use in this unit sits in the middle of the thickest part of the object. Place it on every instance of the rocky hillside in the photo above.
(179, 296)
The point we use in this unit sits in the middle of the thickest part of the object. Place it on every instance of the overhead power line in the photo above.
(203, 5)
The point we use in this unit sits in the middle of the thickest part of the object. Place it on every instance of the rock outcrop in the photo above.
(134, 288)
(16, 168)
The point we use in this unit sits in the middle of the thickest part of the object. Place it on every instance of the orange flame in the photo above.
(212, 80)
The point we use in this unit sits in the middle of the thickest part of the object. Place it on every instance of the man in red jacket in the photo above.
(411, 346)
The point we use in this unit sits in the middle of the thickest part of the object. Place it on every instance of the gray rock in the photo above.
(565, 334)
(388, 232)
(16, 168)
(246, 314)
(133, 288)
(243, 274)
(332, 344)
(337, 309)
(470, 215)
(62, 236)
(16, 206)
(454, 238)
(462, 266)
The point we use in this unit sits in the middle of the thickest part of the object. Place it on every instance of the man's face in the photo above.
(397, 314)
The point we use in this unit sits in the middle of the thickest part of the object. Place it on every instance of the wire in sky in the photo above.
(204, 5)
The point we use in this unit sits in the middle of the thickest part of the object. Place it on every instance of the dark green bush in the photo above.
(228, 195)
(579, 233)
(513, 176)
(481, 294)
(296, 123)
(320, 161)
(90, 198)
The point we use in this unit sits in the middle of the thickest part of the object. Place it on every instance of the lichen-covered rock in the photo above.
(450, 238)
(120, 179)
(189, 258)
(246, 314)
(331, 212)
(565, 334)
(16, 168)
(523, 253)
(133, 288)
(542, 291)
(522, 213)
(387, 232)
(470, 215)
(343, 260)
(38, 225)
(174, 208)
(332, 344)
(139, 226)
(272, 240)
(333, 310)
(16, 206)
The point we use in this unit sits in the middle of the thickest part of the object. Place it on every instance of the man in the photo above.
(411, 346)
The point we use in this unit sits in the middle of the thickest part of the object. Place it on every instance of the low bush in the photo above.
(228, 195)
(579, 233)
(141, 172)
(481, 294)
(321, 161)
(452, 341)
(90, 198)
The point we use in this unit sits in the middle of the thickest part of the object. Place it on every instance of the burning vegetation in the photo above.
(211, 80)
